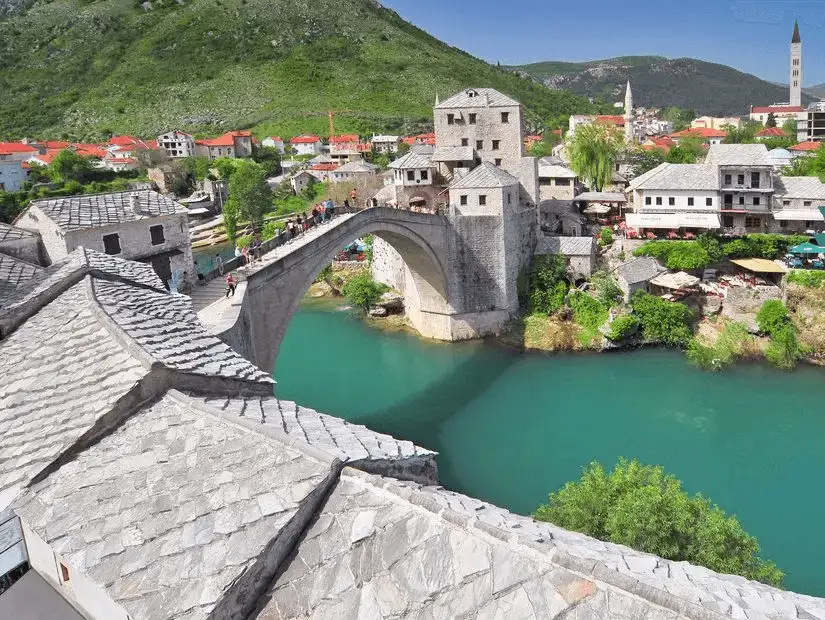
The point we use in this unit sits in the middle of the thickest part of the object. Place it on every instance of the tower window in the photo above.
(451, 119)
(472, 119)
(496, 144)
(505, 117)
(111, 243)
(156, 234)
(482, 200)
(465, 142)
(659, 200)
(479, 145)
(462, 200)
(671, 201)
(647, 200)
(690, 201)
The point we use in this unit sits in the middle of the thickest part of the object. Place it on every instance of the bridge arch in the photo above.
(274, 293)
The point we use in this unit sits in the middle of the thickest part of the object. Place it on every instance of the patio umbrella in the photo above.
(807, 248)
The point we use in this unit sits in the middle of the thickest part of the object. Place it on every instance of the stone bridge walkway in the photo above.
(210, 301)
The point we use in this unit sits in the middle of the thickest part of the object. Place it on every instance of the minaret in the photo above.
(796, 67)
(629, 116)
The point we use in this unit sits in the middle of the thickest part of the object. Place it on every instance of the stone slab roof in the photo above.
(10, 233)
(339, 438)
(14, 272)
(453, 153)
(799, 187)
(555, 171)
(678, 177)
(172, 512)
(738, 155)
(640, 269)
(412, 160)
(60, 373)
(697, 591)
(478, 98)
(358, 165)
(98, 210)
(485, 175)
(167, 328)
(385, 549)
(566, 246)
(77, 264)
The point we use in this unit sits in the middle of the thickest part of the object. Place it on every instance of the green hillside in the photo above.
(85, 69)
(705, 87)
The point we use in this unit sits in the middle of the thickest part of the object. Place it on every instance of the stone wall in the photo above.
(54, 241)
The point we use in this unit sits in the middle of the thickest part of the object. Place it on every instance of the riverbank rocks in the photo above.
(392, 302)
(379, 312)
(710, 305)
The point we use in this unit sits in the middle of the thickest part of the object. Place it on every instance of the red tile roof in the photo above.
(55, 144)
(699, 132)
(122, 160)
(772, 132)
(227, 139)
(7, 148)
(347, 137)
(89, 150)
(47, 157)
(365, 148)
(806, 146)
(775, 109)
(122, 140)
(558, 132)
(305, 140)
(325, 167)
(274, 138)
(611, 119)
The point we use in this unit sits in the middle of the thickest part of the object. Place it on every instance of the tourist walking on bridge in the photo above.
(230, 285)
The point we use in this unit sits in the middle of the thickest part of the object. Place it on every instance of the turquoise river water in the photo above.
(510, 426)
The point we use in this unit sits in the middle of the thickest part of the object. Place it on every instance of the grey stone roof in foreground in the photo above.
(9, 233)
(339, 438)
(412, 160)
(172, 511)
(98, 210)
(60, 373)
(384, 548)
(14, 272)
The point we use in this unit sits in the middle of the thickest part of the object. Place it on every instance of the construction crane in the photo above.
(331, 114)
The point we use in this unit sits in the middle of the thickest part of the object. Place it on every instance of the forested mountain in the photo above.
(705, 87)
(87, 68)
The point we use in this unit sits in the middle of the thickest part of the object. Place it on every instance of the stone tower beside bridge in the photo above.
(489, 199)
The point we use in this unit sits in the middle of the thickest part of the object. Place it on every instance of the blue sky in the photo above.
(752, 36)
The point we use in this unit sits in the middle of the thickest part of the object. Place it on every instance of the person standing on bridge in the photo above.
(219, 263)
(230, 285)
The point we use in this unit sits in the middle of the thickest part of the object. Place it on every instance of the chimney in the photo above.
(135, 203)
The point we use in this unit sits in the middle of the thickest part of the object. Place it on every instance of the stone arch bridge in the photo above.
(456, 282)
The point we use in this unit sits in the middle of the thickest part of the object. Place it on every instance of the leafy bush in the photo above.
(678, 255)
(732, 344)
(244, 242)
(547, 285)
(663, 321)
(607, 289)
(606, 235)
(589, 313)
(622, 327)
(644, 508)
(784, 349)
(363, 292)
(771, 316)
(761, 245)
(807, 278)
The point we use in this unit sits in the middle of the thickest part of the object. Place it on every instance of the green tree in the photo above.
(642, 160)
(69, 166)
(403, 149)
(663, 321)
(249, 190)
(593, 152)
(688, 151)
(225, 166)
(607, 289)
(622, 327)
(784, 349)
(231, 219)
(681, 118)
(771, 316)
(789, 126)
(771, 120)
(198, 165)
(647, 509)
(268, 157)
(547, 286)
(363, 292)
